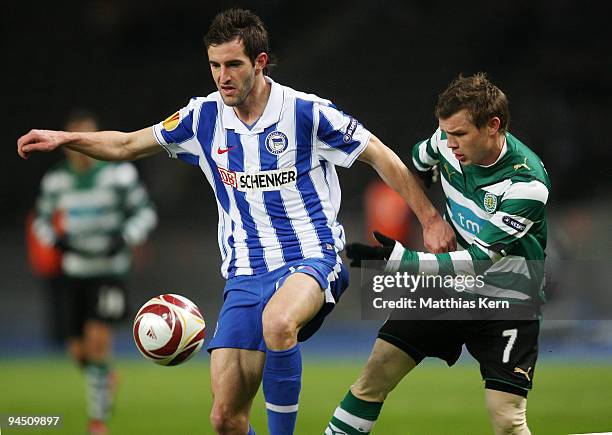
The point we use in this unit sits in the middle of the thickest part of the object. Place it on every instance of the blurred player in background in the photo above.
(496, 190)
(269, 152)
(92, 213)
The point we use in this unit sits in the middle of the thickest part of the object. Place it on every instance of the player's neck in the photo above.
(80, 165)
(255, 104)
(496, 149)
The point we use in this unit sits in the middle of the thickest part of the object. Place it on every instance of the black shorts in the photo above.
(507, 350)
(82, 299)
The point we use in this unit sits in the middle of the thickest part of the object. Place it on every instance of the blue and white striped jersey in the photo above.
(276, 186)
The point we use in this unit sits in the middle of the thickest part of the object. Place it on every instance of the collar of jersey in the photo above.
(478, 176)
(270, 116)
(501, 155)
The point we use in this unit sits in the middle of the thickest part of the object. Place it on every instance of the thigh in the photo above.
(508, 412)
(507, 352)
(425, 338)
(235, 375)
(386, 366)
(72, 307)
(299, 298)
(500, 401)
(313, 286)
(239, 325)
(334, 286)
(97, 339)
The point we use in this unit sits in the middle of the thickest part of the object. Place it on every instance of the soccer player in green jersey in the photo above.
(94, 212)
(496, 191)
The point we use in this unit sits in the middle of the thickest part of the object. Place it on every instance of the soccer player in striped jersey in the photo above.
(496, 191)
(93, 212)
(269, 153)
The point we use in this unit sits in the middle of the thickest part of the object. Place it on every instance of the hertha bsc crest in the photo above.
(276, 142)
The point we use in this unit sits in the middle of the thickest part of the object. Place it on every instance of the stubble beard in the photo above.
(242, 95)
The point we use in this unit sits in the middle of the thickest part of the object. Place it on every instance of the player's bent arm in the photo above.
(511, 222)
(101, 145)
(473, 261)
(438, 235)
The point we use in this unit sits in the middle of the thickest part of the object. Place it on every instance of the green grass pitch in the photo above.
(568, 398)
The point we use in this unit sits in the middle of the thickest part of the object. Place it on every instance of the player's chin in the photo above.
(231, 101)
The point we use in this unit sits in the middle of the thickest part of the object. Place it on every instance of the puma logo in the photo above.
(523, 372)
(449, 172)
(332, 430)
(522, 165)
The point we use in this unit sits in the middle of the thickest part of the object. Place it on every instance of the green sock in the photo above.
(353, 417)
(98, 390)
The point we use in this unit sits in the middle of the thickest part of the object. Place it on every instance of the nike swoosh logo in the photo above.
(223, 151)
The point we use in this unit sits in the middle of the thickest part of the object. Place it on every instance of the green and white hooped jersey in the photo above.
(499, 217)
(94, 207)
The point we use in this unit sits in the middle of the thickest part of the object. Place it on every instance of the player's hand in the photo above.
(438, 236)
(115, 246)
(39, 140)
(357, 252)
(429, 177)
(62, 244)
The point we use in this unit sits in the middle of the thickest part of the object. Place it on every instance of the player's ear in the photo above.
(261, 61)
(493, 125)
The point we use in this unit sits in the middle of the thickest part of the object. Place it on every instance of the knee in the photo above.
(97, 351)
(509, 420)
(224, 421)
(386, 367)
(75, 349)
(97, 340)
(279, 331)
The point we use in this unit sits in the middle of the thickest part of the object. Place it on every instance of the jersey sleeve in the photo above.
(139, 209)
(176, 134)
(46, 205)
(340, 138)
(522, 205)
(425, 153)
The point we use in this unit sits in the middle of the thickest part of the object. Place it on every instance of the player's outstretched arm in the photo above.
(101, 145)
(438, 236)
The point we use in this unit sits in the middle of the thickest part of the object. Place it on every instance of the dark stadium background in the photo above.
(384, 62)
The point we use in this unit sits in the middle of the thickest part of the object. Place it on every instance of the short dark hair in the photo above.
(242, 24)
(81, 115)
(481, 98)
